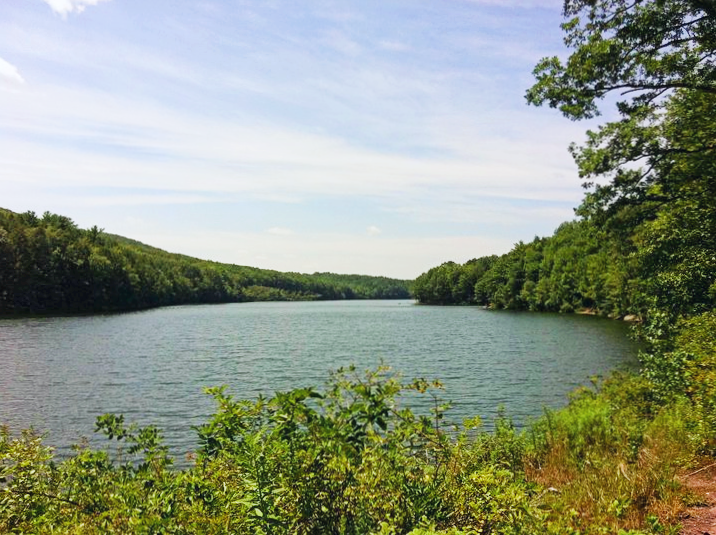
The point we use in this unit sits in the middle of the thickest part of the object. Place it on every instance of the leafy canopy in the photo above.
(641, 48)
(656, 58)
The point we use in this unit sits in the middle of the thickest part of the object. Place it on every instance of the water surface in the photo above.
(58, 373)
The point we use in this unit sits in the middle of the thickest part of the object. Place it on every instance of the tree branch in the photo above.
(632, 87)
(707, 6)
(46, 495)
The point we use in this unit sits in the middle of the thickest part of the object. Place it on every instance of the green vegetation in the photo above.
(349, 459)
(646, 237)
(580, 267)
(48, 264)
(644, 245)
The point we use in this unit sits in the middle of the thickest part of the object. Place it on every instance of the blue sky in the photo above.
(378, 137)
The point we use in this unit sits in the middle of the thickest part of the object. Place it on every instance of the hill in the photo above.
(50, 265)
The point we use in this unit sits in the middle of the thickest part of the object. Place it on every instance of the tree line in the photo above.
(49, 265)
(645, 239)
(577, 268)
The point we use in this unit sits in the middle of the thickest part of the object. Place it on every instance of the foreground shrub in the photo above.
(349, 459)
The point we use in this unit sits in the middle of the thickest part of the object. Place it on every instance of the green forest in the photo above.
(49, 265)
(350, 458)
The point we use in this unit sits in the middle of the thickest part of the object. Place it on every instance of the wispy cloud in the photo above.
(280, 231)
(137, 200)
(409, 116)
(373, 231)
(64, 7)
(9, 73)
(340, 42)
(339, 253)
(394, 46)
(88, 138)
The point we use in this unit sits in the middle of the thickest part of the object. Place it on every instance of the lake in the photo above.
(58, 373)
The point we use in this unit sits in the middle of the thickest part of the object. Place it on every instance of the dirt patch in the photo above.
(700, 519)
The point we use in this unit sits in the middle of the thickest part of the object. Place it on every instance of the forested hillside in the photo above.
(48, 264)
(579, 267)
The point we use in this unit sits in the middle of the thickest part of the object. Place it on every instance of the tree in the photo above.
(651, 173)
(649, 52)
(644, 48)
(49, 265)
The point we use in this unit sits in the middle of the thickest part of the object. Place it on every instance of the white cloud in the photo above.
(280, 231)
(9, 73)
(478, 212)
(373, 230)
(429, 135)
(393, 46)
(64, 7)
(405, 257)
(109, 141)
(137, 200)
(342, 43)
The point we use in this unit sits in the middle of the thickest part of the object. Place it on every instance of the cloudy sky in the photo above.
(374, 136)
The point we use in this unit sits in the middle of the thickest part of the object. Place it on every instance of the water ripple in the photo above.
(58, 374)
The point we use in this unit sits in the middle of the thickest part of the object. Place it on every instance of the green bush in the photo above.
(350, 459)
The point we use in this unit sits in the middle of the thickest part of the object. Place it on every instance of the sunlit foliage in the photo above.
(351, 458)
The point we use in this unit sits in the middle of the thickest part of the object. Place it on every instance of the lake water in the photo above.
(59, 373)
